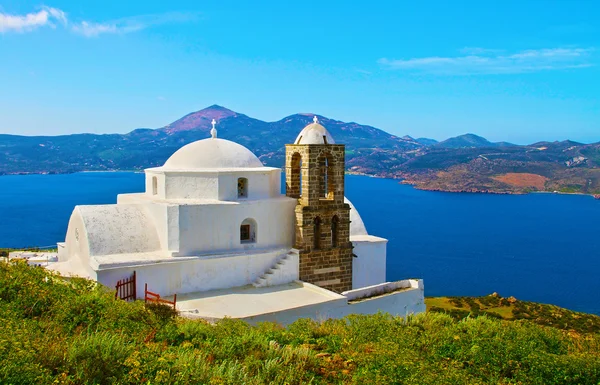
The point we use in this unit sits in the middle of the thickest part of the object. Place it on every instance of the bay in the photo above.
(538, 247)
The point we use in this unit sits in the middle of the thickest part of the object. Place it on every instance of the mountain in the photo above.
(427, 141)
(469, 140)
(464, 163)
(142, 148)
(200, 120)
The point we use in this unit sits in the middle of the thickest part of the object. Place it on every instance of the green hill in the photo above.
(75, 332)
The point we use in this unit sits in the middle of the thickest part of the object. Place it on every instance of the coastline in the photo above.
(415, 185)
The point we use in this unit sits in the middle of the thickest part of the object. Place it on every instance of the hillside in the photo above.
(465, 163)
(144, 148)
(469, 141)
(512, 309)
(75, 333)
(558, 166)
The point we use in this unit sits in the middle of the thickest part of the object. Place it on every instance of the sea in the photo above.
(537, 247)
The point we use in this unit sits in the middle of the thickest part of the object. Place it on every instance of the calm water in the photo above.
(539, 247)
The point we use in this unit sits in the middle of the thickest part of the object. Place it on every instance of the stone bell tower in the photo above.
(315, 176)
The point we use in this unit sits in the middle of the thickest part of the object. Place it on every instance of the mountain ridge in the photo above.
(464, 163)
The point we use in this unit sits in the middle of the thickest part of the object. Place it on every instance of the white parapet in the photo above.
(382, 288)
(287, 303)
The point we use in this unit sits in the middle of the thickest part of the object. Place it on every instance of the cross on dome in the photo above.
(316, 120)
(213, 131)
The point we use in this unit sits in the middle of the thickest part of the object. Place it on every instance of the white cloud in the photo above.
(47, 16)
(484, 61)
(90, 29)
(130, 24)
(50, 17)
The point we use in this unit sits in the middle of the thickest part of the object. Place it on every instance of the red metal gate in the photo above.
(126, 289)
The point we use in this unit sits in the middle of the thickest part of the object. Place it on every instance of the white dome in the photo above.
(357, 226)
(314, 133)
(212, 153)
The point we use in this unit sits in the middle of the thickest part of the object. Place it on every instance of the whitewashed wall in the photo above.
(401, 303)
(263, 183)
(206, 229)
(369, 266)
(201, 274)
(260, 184)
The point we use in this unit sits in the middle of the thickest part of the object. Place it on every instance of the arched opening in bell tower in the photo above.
(317, 233)
(296, 176)
(335, 222)
(326, 180)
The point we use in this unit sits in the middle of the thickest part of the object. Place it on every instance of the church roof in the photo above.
(314, 133)
(357, 226)
(212, 153)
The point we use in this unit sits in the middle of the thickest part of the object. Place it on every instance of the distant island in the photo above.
(467, 163)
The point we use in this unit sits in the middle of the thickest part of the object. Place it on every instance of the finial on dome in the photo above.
(315, 119)
(213, 131)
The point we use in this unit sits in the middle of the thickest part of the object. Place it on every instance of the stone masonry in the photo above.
(315, 175)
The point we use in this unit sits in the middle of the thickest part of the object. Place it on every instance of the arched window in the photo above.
(154, 185)
(242, 186)
(317, 233)
(326, 185)
(248, 231)
(334, 230)
(295, 187)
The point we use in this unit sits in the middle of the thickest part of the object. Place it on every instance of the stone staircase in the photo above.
(284, 271)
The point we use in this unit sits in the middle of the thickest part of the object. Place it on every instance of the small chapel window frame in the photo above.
(248, 231)
(154, 185)
(242, 188)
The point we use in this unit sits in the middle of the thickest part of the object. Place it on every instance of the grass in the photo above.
(57, 332)
(512, 309)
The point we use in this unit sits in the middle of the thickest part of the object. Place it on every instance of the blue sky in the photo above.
(521, 71)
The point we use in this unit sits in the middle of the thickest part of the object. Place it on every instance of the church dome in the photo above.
(314, 133)
(212, 153)
(357, 226)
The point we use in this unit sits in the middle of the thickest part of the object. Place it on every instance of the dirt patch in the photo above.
(523, 180)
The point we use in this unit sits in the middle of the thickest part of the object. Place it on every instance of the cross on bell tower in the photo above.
(315, 168)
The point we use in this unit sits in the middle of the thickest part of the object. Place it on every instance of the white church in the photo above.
(214, 229)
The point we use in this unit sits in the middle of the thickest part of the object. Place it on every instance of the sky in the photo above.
(521, 71)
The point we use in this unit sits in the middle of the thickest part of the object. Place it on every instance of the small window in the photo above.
(248, 231)
(245, 233)
(242, 186)
(154, 185)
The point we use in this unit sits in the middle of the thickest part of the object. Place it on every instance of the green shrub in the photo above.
(75, 332)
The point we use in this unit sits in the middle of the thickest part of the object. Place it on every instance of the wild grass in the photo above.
(495, 306)
(75, 332)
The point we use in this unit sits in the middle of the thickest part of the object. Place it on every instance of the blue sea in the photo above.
(538, 247)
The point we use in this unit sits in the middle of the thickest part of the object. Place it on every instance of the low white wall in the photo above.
(382, 288)
(401, 303)
(368, 268)
(201, 274)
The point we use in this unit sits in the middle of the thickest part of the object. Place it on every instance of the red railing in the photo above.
(155, 298)
(125, 289)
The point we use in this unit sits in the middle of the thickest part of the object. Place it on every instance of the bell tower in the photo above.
(315, 176)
